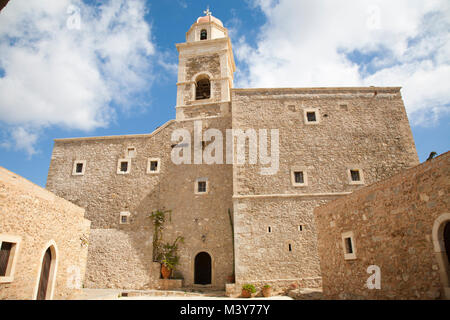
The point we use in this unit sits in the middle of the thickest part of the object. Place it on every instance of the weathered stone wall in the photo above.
(393, 223)
(105, 194)
(364, 128)
(40, 218)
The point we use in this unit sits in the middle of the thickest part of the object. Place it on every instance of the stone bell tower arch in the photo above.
(205, 70)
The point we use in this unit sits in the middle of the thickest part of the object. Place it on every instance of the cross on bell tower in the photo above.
(207, 12)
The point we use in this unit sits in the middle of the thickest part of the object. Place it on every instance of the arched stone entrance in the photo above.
(447, 240)
(47, 273)
(441, 243)
(202, 268)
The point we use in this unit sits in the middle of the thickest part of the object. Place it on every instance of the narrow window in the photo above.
(290, 247)
(311, 116)
(203, 89)
(203, 35)
(269, 229)
(298, 175)
(124, 166)
(124, 219)
(79, 168)
(201, 186)
(5, 253)
(355, 175)
(348, 245)
(300, 228)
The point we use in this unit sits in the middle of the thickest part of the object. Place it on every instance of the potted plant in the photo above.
(169, 258)
(267, 290)
(248, 290)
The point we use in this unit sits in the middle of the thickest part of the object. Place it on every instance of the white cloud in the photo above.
(67, 68)
(397, 43)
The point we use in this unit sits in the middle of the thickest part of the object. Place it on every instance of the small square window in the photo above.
(153, 165)
(123, 166)
(311, 116)
(348, 244)
(298, 175)
(355, 176)
(124, 217)
(79, 167)
(9, 246)
(202, 186)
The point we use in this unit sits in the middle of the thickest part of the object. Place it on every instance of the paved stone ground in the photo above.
(120, 294)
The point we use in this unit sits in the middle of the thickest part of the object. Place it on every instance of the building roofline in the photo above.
(320, 89)
(144, 135)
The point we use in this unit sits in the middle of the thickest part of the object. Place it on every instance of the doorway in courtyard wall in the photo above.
(202, 268)
(447, 241)
(45, 276)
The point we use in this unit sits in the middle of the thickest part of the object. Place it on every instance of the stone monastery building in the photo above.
(252, 219)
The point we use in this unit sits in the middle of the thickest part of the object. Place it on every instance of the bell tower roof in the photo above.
(206, 27)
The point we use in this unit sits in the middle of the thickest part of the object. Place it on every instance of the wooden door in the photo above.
(45, 273)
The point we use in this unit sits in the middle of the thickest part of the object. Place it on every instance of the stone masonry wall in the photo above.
(201, 219)
(39, 217)
(364, 128)
(392, 222)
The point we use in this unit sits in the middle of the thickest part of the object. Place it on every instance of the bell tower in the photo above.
(205, 70)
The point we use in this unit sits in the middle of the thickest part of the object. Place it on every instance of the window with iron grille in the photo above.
(201, 186)
(298, 175)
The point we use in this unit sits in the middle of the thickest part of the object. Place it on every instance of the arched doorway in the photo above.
(447, 240)
(45, 275)
(441, 243)
(45, 281)
(202, 268)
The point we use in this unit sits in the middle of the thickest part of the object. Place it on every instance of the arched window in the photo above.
(203, 35)
(203, 89)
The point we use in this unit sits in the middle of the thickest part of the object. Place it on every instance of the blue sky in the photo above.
(72, 68)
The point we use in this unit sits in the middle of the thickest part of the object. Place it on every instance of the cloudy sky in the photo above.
(71, 68)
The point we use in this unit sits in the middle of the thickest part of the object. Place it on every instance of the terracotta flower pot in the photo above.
(267, 292)
(246, 294)
(165, 272)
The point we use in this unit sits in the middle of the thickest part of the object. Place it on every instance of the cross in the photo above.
(207, 12)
